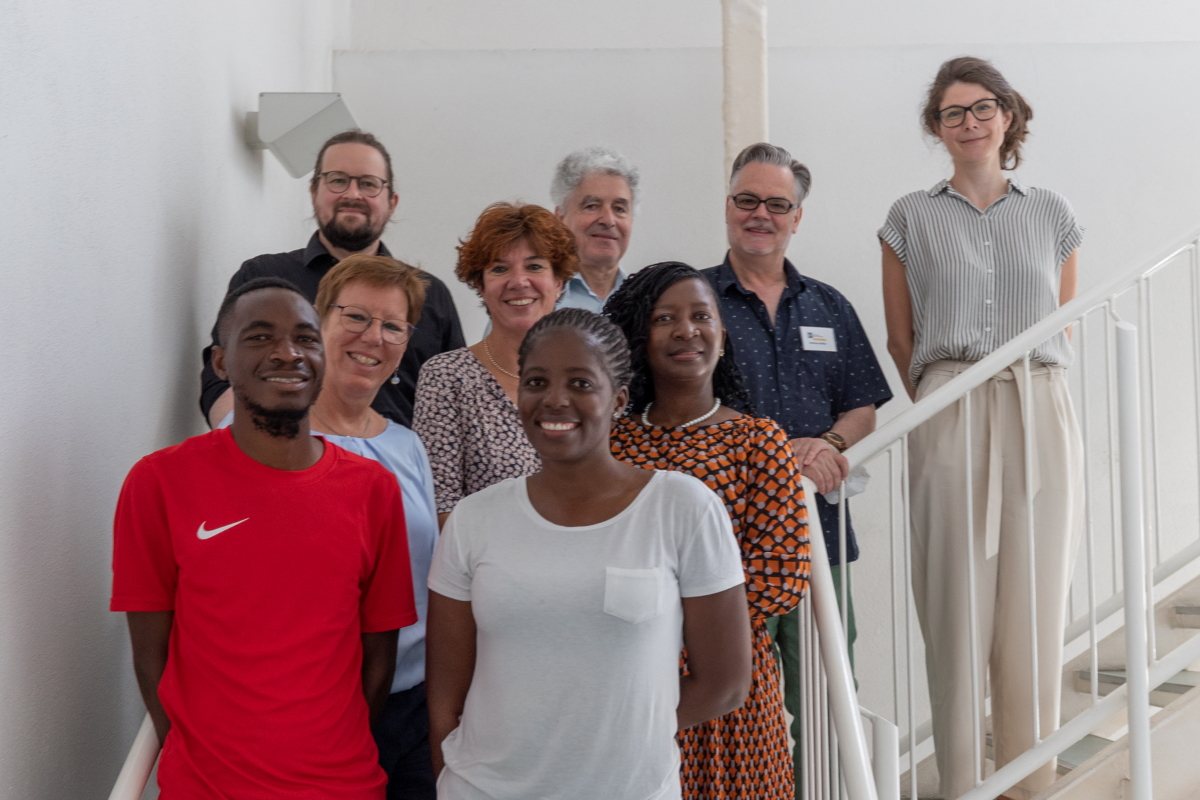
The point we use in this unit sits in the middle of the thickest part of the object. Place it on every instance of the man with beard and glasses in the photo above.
(353, 196)
(265, 574)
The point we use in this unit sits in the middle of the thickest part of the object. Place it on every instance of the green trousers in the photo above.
(784, 633)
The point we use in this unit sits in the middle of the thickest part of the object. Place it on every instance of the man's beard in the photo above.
(281, 423)
(352, 239)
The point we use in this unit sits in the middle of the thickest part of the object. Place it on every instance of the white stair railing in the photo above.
(135, 773)
(1115, 373)
(836, 759)
(834, 728)
(835, 743)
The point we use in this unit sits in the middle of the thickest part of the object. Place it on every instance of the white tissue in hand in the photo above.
(856, 483)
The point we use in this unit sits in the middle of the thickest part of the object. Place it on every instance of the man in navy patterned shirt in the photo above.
(803, 352)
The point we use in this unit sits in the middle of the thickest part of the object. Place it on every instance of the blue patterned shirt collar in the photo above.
(727, 278)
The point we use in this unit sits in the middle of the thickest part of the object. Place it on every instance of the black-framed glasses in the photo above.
(338, 182)
(358, 320)
(747, 201)
(982, 110)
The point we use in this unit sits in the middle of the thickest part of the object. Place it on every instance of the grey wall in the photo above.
(129, 199)
(479, 101)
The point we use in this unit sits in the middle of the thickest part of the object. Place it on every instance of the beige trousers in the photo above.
(939, 485)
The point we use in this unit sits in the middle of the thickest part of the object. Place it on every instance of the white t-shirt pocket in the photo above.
(634, 595)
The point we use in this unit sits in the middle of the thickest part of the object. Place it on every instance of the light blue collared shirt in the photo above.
(577, 294)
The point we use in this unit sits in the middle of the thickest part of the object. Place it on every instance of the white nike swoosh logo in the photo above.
(203, 534)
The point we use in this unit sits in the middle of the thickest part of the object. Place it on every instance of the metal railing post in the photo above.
(909, 634)
(1133, 550)
(1089, 533)
(977, 754)
(885, 755)
(842, 696)
(1031, 544)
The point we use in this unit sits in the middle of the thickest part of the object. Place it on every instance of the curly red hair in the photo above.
(502, 225)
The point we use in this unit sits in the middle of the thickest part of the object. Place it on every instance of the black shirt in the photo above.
(814, 363)
(437, 331)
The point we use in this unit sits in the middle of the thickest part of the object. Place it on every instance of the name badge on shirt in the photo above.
(818, 339)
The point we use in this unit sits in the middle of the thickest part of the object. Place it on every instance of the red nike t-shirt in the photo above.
(273, 576)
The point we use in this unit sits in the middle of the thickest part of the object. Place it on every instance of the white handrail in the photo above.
(1078, 727)
(1128, 384)
(138, 764)
(843, 697)
(1011, 352)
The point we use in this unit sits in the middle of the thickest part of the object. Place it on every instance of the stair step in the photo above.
(1187, 616)
(1080, 752)
(1109, 679)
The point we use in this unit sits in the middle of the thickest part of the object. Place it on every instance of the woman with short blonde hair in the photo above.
(369, 307)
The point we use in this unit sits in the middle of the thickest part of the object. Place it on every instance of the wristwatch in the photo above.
(835, 440)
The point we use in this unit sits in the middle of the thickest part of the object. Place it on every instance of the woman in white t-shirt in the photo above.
(559, 602)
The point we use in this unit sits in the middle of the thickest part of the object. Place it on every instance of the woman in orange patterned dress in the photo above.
(682, 416)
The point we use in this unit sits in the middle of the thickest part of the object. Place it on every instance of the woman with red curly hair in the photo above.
(517, 258)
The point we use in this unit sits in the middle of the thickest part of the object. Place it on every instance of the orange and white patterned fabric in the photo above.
(749, 463)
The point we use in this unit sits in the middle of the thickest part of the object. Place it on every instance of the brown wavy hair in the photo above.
(968, 69)
(502, 225)
(378, 271)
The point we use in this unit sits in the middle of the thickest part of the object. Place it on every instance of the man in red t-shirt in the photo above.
(264, 573)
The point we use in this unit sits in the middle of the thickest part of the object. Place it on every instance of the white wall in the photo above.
(1100, 135)
(468, 128)
(542, 24)
(129, 200)
(479, 100)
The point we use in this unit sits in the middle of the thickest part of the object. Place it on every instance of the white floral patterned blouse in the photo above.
(470, 428)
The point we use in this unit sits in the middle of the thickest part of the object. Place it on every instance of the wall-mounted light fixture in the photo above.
(294, 125)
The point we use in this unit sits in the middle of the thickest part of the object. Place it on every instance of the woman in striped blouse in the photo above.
(967, 266)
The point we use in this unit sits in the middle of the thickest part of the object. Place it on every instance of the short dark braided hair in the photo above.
(246, 288)
(630, 306)
(605, 336)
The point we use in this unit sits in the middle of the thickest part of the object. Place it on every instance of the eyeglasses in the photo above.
(358, 320)
(749, 202)
(338, 182)
(982, 110)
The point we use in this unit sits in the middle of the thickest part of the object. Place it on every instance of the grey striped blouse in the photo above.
(979, 278)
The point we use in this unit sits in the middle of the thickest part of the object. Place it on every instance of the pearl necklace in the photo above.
(495, 363)
(689, 423)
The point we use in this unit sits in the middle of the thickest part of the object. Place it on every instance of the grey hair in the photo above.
(578, 165)
(763, 153)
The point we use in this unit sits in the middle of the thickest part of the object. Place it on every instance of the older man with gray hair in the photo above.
(594, 190)
(806, 359)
